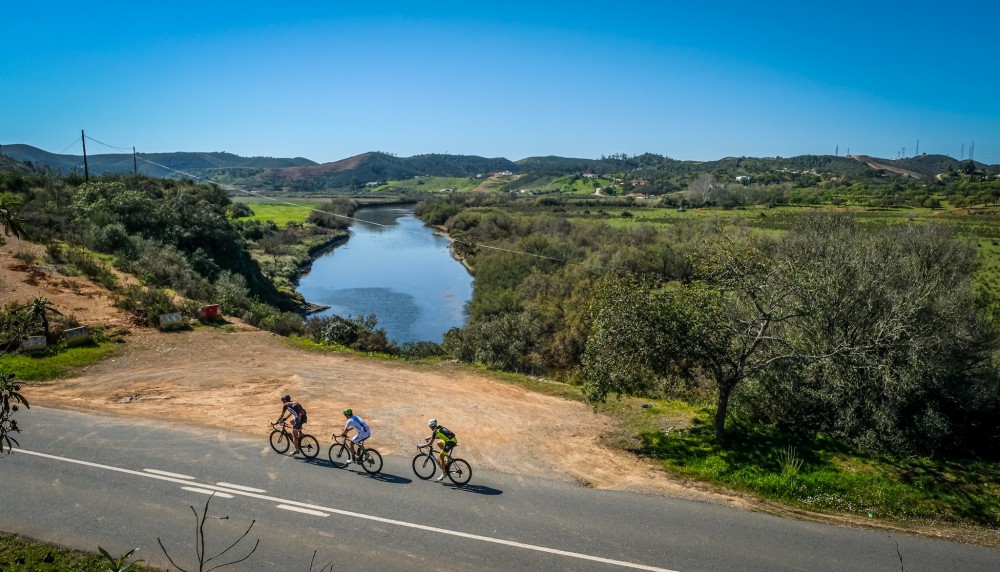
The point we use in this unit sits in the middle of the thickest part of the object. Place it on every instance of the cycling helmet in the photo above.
(432, 423)
(286, 397)
(348, 412)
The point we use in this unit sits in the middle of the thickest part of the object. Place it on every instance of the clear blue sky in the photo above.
(329, 80)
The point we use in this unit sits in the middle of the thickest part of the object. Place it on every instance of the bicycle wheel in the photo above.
(309, 447)
(339, 455)
(424, 466)
(459, 472)
(371, 461)
(279, 441)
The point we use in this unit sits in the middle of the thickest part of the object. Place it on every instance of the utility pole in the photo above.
(972, 151)
(836, 152)
(962, 155)
(86, 171)
(917, 152)
(135, 165)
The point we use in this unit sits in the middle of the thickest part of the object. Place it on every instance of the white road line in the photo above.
(241, 488)
(208, 492)
(305, 510)
(167, 474)
(341, 512)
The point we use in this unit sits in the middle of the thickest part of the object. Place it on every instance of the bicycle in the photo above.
(425, 465)
(281, 440)
(339, 453)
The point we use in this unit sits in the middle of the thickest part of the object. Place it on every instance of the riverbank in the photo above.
(442, 231)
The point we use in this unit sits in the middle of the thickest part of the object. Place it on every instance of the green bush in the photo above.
(360, 333)
(146, 304)
(504, 341)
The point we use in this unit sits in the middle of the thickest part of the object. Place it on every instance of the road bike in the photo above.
(281, 440)
(425, 464)
(369, 459)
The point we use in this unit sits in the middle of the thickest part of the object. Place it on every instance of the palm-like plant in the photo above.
(12, 223)
(38, 311)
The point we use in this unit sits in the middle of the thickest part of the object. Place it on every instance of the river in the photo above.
(395, 267)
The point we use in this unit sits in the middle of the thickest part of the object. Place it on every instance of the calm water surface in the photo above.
(396, 269)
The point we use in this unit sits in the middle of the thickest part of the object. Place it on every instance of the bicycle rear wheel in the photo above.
(424, 466)
(339, 455)
(459, 472)
(371, 461)
(279, 441)
(309, 447)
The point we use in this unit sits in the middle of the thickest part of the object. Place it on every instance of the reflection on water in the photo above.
(396, 269)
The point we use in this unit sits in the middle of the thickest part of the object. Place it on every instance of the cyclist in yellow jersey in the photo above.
(446, 441)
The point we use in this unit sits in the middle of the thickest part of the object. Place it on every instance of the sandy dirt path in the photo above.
(233, 379)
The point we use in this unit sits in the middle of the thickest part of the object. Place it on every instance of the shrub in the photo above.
(420, 350)
(360, 333)
(504, 341)
(146, 304)
(231, 292)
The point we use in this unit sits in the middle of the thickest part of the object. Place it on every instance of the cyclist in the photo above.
(358, 424)
(298, 415)
(446, 441)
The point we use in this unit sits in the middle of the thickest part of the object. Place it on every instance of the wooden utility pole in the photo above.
(86, 171)
(135, 166)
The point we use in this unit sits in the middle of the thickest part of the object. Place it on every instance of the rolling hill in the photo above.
(651, 172)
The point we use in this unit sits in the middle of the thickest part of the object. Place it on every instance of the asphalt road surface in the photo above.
(84, 480)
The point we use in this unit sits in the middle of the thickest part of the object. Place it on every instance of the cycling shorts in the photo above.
(297, 423)
(361, 437)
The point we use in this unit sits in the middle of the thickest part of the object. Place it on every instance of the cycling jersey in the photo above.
(360, 426)
(443, 433)
(298, 413)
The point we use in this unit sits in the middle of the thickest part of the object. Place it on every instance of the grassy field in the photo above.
(281, 213)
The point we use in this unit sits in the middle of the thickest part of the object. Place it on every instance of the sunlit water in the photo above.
(396, 269)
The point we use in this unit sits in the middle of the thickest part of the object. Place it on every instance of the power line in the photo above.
(68, 146)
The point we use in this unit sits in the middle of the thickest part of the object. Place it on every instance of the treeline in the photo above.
(870, 335)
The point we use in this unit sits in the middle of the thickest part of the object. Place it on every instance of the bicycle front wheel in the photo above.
(459, 472)
(339, 455)
(371, 461)
(424, 466)
(309, 447)
(279, 441)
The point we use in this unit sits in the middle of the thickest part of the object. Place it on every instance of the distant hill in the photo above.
(378, 167)
(648, 172)
(162, 165)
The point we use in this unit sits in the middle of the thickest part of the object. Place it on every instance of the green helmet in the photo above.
(348, 412)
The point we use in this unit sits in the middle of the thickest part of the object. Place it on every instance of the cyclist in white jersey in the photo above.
(358, 424)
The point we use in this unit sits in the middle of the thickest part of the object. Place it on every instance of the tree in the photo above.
(635, 337)
(740, 317)
(904, 344)
(700, 188)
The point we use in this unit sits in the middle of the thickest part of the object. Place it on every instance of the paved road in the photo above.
(85, 480)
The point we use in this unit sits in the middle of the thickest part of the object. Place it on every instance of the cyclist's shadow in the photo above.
(387, 478)
(477, 489)
(380, 476)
